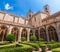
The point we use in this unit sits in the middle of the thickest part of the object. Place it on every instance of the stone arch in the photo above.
(24, 33)
(3, 32)
(37, 34)
(15, 31)
(31, 32)
(43, 34)
(52, 33)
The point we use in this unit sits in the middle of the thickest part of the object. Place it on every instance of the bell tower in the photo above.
(47, 9)
(30, 14)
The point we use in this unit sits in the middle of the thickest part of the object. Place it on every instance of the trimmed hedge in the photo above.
(34, 45)
(56, 50)
(17, 49)
(23, 38)
(10, 46)
(52, 46)
(33, 38)
(2, 43)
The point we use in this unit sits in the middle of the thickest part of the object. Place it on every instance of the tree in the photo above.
(10, 38)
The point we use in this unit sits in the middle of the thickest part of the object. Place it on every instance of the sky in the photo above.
(21, 7)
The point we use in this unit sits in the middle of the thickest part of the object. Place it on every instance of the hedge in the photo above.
(56, 50)
(34, 45)
(17, 49)
(9, 46)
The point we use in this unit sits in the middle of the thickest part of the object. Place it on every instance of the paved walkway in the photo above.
(39, 51)
(49, 51)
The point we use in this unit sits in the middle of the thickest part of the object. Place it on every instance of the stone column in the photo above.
(58, 31)
(19, 36)
(15, 36)
(28, 34)
(33, 31)
(47, 33)
(39, 32)
(9, 30)
(3, 35)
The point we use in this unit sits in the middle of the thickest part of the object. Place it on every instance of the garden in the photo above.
(42, 46)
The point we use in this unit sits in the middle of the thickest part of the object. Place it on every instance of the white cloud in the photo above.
(7, 6)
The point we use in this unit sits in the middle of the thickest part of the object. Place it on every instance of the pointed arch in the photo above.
(52, 33)
(3, 32)
(31, 32)
(37, 34)
(43, 34)
(15, 31)
(24, 33)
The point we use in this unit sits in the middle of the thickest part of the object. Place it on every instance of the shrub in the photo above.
(51, 46)
(17, 49)
(34, 45)
(58, 44)
(10, 38)
(1, 43)
(7, 46)
(43, 47)
(33, 38)
(52, 42)
(23, 39)
(56, 50)
(41, 39)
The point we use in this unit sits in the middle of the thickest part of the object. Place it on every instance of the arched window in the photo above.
(37, 34)
(52, 33)
(31, 32)
(35, 19)
(43, 34)
(3, 32)
(15, 31)
(24, 33)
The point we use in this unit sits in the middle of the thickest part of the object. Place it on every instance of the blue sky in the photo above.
(21, 7)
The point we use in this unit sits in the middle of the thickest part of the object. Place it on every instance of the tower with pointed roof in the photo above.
(47, 9)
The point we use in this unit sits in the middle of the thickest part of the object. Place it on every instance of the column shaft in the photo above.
(47, 34)
(19, 37)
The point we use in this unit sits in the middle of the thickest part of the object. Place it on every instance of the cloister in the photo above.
(27, 32)
(42, 25)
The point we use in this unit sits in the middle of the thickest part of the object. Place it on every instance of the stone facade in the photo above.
(42, 25)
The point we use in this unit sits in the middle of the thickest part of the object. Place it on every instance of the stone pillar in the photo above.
(33, 31)
(3, 35)
(9, 30)
(47, 33)
(15, 36)
(28, 34)
(58, 31)
(39, 32)
(19, 36)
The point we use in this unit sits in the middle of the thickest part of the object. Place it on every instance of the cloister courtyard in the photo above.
(37, 32)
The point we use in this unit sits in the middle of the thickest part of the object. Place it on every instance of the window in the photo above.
(29, 15)
(35, 18)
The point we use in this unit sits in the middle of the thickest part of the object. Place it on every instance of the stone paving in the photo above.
(41, 51)
(48, 51)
